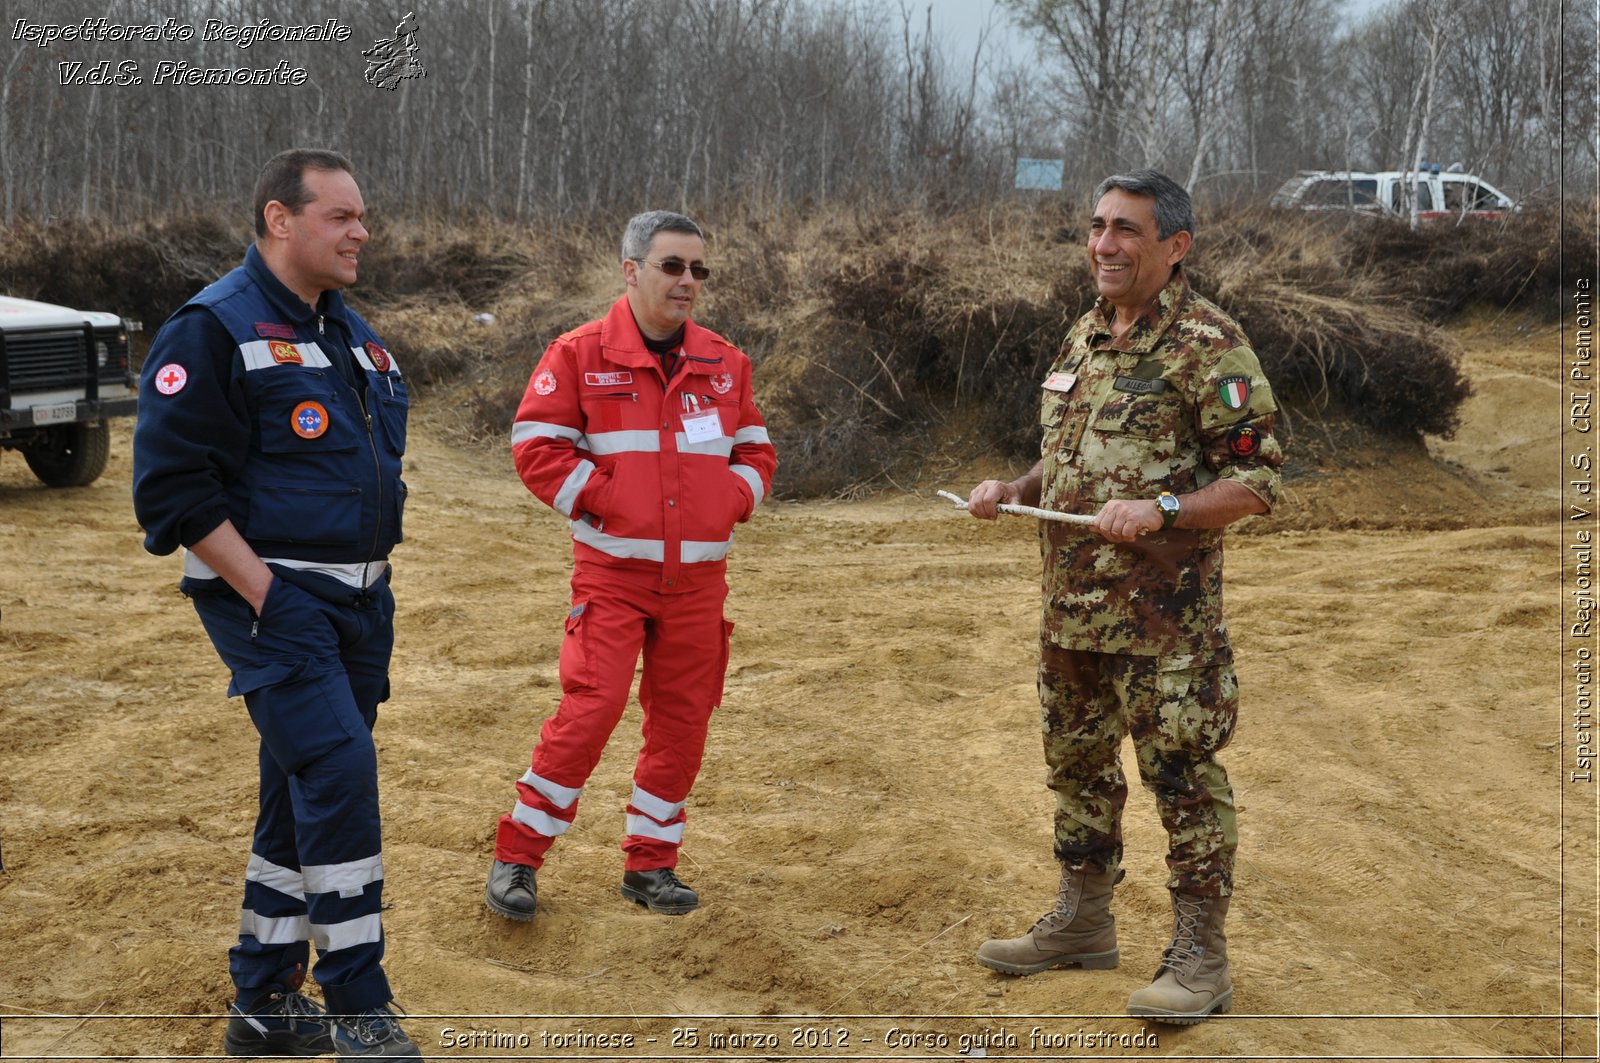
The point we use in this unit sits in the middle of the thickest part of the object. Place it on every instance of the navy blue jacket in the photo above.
(288, 421)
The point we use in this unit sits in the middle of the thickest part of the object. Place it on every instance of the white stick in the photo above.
(1025, 511)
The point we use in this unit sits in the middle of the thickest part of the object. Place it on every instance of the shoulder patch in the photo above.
(544, 382)
(1234, 391)
(171, 378)
(1244, 442)
(379, 356)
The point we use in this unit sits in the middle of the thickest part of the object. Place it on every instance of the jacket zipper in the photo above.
(372, 445)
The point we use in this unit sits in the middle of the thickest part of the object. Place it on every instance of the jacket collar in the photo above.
(287, 303)
(1148, 328)
(619, 335)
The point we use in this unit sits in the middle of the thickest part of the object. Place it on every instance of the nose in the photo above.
(1103, 243)
(359, 233)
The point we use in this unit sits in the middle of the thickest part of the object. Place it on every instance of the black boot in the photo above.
(660, 891)
(512, 891)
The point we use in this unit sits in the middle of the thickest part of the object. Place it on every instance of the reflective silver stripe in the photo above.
(337, 878)
(523, 431)
(275, 877)
(634, 439)
(355, 574)
(719, 447)
(558, 795)
(751, 434)
(645, 827)
(362, 930)
(257, 354)
(358, 574)
(577, 480)
(284, 930)
(653, 806)
(637, 549)
(691, 551)
(543, 822)
(366, 361)
(751, 477)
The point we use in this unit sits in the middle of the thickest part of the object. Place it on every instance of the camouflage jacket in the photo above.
(1178, 402)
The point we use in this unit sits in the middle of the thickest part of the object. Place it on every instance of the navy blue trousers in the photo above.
(312, 669)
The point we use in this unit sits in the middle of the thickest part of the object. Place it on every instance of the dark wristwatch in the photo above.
(1168, 504)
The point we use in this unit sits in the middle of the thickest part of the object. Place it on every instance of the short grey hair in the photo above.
(1174, 212)
(642, 229)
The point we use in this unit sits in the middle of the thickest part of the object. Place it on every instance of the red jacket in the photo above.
(653, 473)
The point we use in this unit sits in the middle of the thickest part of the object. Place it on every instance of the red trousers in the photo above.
(615, 615)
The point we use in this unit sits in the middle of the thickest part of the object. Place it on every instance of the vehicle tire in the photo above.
(72, 455)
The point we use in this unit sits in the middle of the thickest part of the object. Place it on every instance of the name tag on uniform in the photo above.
(1061, 382)
(1141, 387)
(702, 427)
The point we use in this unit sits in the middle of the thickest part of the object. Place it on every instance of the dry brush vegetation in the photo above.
(885, 340)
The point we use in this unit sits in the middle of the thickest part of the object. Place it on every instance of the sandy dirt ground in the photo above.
(871, 806)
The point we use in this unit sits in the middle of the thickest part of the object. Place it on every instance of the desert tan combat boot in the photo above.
(1192, 981)
(1080, 930)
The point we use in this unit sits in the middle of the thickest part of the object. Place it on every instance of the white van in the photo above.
(1440, 196)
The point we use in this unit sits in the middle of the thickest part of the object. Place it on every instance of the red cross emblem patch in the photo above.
(170, 379)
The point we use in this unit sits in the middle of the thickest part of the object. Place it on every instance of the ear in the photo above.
(1182, 240)
(277, 217)
(630, 272)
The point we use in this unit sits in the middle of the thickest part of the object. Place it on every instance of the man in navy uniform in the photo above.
(271, 425)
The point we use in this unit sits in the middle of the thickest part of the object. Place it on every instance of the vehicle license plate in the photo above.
(61, 411)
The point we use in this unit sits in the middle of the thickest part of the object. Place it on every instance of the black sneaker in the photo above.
(660, 891)
(280, 1022)
(374, 1034)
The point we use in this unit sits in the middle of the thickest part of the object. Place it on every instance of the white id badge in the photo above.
(1061, 382)
(702, 427)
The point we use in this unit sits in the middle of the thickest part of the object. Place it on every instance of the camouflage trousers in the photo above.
(1179, 718)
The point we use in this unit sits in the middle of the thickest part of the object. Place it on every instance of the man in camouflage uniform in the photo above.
(1156, 418)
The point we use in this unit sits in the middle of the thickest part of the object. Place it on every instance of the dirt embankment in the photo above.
(871, 806)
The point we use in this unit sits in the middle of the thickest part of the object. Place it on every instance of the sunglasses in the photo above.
(673, 267)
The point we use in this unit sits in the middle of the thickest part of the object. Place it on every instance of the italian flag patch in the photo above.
(1235, 391)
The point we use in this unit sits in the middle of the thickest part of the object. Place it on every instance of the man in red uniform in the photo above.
(641, 429)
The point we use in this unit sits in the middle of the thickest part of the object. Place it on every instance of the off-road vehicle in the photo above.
(63, 373)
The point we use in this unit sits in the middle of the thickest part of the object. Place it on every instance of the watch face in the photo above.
(1169, 506)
